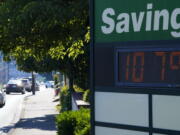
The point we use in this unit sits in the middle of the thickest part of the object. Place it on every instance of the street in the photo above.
(10, 113)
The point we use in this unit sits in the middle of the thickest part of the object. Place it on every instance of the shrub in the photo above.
(86, 96)
(84, 131)
(74, 122)
(65, 99)
(66, 123)
(77, 89)
(56, 79)
(82, 119)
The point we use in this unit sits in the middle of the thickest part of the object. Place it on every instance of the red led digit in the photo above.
(134, 77)
(172, 65)
(163, 55)
(127, 67)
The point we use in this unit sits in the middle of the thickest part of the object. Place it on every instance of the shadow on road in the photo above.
(42, 123)
(6, 129)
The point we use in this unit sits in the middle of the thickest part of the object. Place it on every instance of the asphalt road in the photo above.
(10, 113)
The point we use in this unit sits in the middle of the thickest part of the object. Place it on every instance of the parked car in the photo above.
(49, 84)
(2, 98)
(26, 84)
(37, 86)
(29, 78)
(15, 86)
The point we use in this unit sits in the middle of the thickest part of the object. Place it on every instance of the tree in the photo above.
(55, 28)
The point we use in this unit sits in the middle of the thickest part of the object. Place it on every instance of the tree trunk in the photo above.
(65, 79)
(71, 84)
(70, 91)
(33, 84)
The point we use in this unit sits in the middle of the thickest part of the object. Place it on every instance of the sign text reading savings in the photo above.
(152, 21)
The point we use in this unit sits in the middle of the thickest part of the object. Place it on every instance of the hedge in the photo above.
(86, 96)
(65, 99)
(73, 122)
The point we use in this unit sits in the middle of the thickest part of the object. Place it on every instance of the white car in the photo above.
(49, 84)
(26, 84)
(2, 98)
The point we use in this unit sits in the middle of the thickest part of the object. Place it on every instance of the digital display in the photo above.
(148, 68)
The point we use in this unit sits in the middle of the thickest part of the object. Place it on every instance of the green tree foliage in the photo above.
(43, 24)
(42, 33)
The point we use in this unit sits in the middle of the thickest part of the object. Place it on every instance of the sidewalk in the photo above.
(38, 116)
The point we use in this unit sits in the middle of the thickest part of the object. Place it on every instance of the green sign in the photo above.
(136, 20)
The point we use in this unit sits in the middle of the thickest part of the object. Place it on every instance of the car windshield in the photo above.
(28, 78)
(14, 82)
(24, 81)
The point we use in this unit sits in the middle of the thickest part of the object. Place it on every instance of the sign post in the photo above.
(135, 67)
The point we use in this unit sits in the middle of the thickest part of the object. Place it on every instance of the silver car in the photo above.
(15, 86)
(2, 98)
(26, 84)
